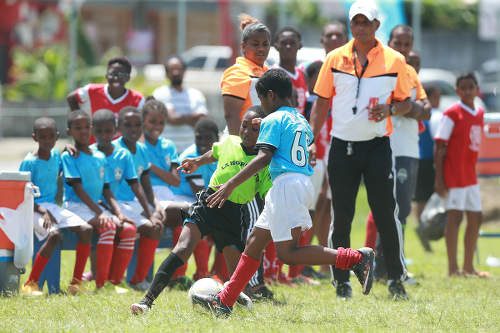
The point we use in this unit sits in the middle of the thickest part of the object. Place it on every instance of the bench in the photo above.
(52, 272)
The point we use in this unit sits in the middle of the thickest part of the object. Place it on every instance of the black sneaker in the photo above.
(213, 304)
(259, 292)
(343, 290)
(397, 290)
(364, 269)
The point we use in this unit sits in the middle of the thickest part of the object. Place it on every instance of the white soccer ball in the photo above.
(205, 286)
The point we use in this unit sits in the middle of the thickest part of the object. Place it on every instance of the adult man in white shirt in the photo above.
(185, 105)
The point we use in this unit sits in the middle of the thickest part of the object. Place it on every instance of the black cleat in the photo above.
(343, 290)
(259, 292)
(364, 269)
(213, 304)
(397, 290)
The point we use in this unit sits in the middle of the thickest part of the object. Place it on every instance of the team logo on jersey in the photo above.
(139, 171)
(402, 175)
(101, 172)
(167, 160)
(118, 173)
(475, 137)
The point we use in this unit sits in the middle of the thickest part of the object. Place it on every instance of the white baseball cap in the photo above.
(365, 8)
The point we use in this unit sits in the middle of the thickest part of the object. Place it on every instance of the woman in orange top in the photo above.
(238, 82)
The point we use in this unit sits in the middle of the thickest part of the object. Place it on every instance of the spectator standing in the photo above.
(185, 105)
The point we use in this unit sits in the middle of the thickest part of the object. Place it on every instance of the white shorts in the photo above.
(64, 218)
(287, 206)
(133, 210)
(82, 210)
(464, 198)
(317, 181)
(164, 195)
(184, 198)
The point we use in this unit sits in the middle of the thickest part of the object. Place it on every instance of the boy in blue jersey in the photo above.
(130, 125)
(283, 143)
(45, 166)
(86, 182)
(121, 167)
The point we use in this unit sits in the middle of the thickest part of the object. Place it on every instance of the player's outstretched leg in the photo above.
(190, 236)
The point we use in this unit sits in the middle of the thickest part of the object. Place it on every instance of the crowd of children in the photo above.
(124, 180)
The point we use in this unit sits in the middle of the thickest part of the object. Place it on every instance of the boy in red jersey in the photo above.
(112, 96)
(457, 145)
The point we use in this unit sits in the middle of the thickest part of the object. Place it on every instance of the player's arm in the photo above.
(185, 119)
(170, 177)
(113, 204)
(439, 155)
(72, 100)
(232, 108)
(262, 160)
(148, 189)
(319, 112)
(140, 195)
(190, 165)
(100, 219)
(420, 110)
(194, 183)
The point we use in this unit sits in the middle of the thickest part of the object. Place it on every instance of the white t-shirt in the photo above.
(187, 101)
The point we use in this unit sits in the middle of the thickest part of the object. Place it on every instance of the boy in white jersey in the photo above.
(283, 144)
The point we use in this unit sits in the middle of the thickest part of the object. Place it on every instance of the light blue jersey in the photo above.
(120, 166)
(204, 173)
(162, 155)
(141, 163)
(43, 174)
(287, 133)
(90, 169)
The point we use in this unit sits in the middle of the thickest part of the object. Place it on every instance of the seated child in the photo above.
(44, 163)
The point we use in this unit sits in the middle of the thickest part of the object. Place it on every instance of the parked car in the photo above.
(305, 55)
(208, 57)
(489, 74)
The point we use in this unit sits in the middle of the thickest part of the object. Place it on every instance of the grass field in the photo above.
(437, 304)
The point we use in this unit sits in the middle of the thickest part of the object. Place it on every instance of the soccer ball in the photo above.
(209, 286)
(205, 286)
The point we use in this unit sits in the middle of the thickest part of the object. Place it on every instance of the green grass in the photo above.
(437, 304)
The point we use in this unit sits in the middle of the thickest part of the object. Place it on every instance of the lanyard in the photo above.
(359, 76)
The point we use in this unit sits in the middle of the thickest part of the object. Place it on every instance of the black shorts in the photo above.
(228, 225)
(425, 181)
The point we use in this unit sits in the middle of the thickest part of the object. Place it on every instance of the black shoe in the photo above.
(343, 290)
(259, 292)
(397, 290)
(423, 239)
(364, 269)
(213, 304)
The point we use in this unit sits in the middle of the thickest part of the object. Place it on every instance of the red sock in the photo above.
(38, 266)
(346, 258)
(145, 257)
(82, 254)
(201, 255)
(305, 239)
(247, 266)
(270, 267)
(104, 254)
(122, 253)
(219, 268)
(371, 231)
(181, 271)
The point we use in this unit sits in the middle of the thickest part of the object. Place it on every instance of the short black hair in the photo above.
(287, 29)
(153, 105)
(44, 122)
(128, 109)
(103, 116)
(73, 115)
(335, 23)
(431, 89)
(466, 76)
(177, 57)
(257, 109)
(207, 124)
(313, 68)
(122, 61)
(402, 27)
(277, 80)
